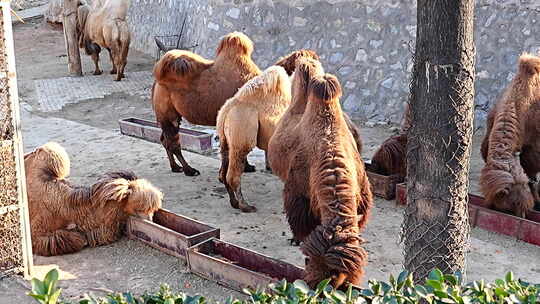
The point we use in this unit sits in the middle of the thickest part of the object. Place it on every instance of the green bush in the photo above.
(438, 288)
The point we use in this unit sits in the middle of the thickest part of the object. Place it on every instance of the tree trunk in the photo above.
(436, 222)
(70, 36)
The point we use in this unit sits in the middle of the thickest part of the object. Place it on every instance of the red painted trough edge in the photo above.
(192, 140)
(527, 230)
(236, 267)
(170, 233)
(382, 185)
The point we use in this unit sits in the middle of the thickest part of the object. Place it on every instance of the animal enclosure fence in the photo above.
(15, 249)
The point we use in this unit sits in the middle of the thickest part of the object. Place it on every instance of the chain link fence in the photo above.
(12, 238)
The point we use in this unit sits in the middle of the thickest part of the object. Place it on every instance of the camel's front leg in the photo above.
(113, 71)
(58, 242)
(299, 215)
(102, 235)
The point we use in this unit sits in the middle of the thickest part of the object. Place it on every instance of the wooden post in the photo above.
(70, 36)
(17, 140)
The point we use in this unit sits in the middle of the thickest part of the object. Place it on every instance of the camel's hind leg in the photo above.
(96, 49)
(58, 242)
(171, 142)
(113, 70)
(232, 173)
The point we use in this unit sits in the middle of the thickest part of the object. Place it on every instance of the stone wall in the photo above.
(368, 44)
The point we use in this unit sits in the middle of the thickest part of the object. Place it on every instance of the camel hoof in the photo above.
(98, 72)
(248, 209)
(191, 172)
(294, 242)
(249, 168)
(113, 72)
(177, 169)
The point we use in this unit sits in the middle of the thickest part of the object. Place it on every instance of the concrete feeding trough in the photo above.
(238, 268)
(191, 140)
(527, 230)
(170, 232)
(382, 185)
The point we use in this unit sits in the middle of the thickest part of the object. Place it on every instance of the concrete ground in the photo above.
(88, 130)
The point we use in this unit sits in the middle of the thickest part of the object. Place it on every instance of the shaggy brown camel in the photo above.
(511, 146)
(327, 196)
(104, 25)
(65, 218)
(246, 121)
(391, 157)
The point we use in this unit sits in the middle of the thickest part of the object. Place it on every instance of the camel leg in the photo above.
(170, 141)
(222, 175)
(102, 235)
(267, 163)
(58, 242)
(121, 58)
(113, 71)
(248, 168)
(233, 181)
(95, 58)
(299, 215)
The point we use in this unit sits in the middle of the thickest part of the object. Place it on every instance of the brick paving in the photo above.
(54, 94)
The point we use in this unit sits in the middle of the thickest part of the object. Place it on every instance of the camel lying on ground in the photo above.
(511, 146)
(327, 196)
(391, 157)
(65, 218)
(104, 25)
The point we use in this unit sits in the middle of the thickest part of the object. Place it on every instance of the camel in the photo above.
(391, 157)
(248, 120)
(511, 146)
(327, 196)
(65, 218)
(104, 25)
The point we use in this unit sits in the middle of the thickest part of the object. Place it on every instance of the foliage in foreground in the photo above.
(438, 288)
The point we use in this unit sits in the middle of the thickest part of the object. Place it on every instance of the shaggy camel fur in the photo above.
(190, 86)
(248, 120)
(104, 25)
(327, 196)
(511, 146)
(65, 218)
(391, 157)
(281, 142)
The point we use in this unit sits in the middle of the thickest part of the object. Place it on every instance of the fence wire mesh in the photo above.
(11, 257)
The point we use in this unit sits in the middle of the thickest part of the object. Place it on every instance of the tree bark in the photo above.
(436, 223)
(70, 36)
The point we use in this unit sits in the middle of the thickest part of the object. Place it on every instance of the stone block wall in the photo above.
(368, 44)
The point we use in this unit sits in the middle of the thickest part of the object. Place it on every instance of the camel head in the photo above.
(507, 190)
(137, 197)
(290, 62)
(324, 89)
(236, 44)
(51, 159)
(306, 68)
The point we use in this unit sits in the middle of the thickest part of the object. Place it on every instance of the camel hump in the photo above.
(291, 61)
(529, 64)
(273, 80)
(55, 160)
(180, 63)
(235, 42)
(325, 88)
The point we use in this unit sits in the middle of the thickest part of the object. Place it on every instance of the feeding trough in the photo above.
(192, 140)
(170, 232)
(238, 268)
(527, 230)
(382, 185)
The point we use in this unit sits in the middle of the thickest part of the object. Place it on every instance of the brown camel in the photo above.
(511, 146)
(65, 218)
(104, 25)
(248, 120)
(327, 196)
(391, 157)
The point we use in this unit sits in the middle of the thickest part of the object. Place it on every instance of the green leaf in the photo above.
(421, 291)
(322, 285)
(509, 277)
(53, 299)
(435, 284)
(440, 294)
(452, 279)
(38, 287)
(403, 276)
(436, 275)
(302, 286)
(50, 280)
(339, 296)
(169, 301)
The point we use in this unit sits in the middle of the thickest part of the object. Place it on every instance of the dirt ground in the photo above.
(89, 132)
